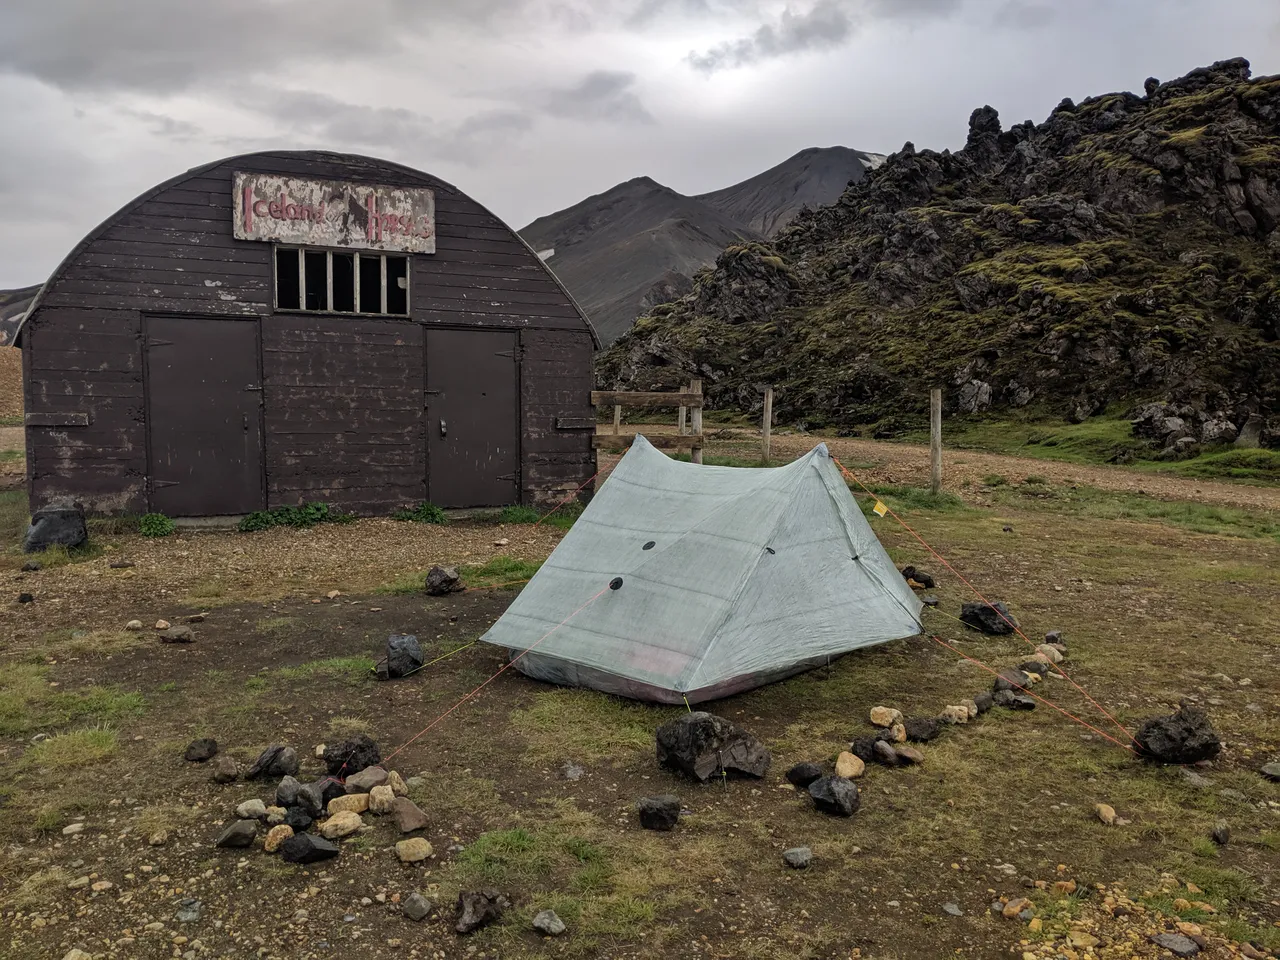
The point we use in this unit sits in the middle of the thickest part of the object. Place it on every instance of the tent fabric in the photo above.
(731, 578)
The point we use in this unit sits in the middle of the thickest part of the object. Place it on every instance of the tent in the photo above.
(731, 578)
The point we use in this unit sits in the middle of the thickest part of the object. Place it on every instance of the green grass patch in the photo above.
(11, 456)
(499, 570)
(352, 669)
(422, 513)
(155, 525)
(274, 624)
(584, 725)
(518, 514)
(306, 515)
(1261, 466)
(28, 703)
(76, 748)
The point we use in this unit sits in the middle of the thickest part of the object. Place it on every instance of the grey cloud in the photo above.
(828, 23)
(600, 95)
(163, 125)
(1023, 15)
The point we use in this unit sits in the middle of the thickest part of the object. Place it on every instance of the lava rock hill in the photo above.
(1124, 251)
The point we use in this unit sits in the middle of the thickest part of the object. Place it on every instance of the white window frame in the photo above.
(356, 255)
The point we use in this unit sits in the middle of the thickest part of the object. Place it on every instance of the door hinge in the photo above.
(165, 483)
(252, 389)
(159, 343)
(506, 353)
(509, 476)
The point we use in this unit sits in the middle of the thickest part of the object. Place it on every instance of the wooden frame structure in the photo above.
(689, 402)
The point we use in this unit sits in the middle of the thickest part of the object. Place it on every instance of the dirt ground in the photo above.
(10, 383)
(1152, 612)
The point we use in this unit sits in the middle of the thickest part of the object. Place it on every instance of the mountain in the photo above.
(1124, 252)
(812, 178)
(13, 305)
(634, 246)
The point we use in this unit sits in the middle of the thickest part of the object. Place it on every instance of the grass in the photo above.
(40, 889)
(340, 728)
(585, 726)
(76, 748)
(94, 644)
(28, 703)
(11, 456)
(351, 669)
(499, 570)
(274, 624)
(422, 513)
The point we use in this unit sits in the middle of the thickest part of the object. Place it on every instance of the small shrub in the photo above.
(518, 515)
(305, 515)
(422, 513)
(1035, 479)
(994, 480)
(155, 525)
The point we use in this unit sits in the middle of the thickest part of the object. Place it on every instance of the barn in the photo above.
(290, 327)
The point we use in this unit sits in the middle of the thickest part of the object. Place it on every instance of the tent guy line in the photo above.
(943, 560)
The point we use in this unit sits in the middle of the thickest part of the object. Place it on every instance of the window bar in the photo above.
(329, 270)
(383, 260)
(302, 280)
(355, 267)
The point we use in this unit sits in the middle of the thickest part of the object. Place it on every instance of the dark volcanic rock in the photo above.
(1182, 737)
(60, 523)
(225, 769)
(1013, 700)
(1010, 678)
(351, 756)
(328, 788)
(275, 761)
(994, 619)
(885, 753)
(287, 792)
(299, 819)
(1176, 944)
(308, 848)
(198, 751)
(310, 800)
(239, 834)
(922, 729)
(919, 576)
(1034, 666)
(835, 795)
(404, 656)
(703, 745)
(476, 909)
(864, 748)
(1271, 771)
(984, 701)
(803, 774)
(659, 813)
(443, 580)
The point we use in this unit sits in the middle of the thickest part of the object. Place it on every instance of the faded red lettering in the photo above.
(248, 208)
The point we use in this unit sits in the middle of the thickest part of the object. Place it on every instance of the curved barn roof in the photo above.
(377, 167)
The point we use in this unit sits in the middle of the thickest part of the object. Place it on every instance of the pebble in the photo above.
(416, 907)
(188, 910)
(79, 883)
(413, 850)
(1272, 771)
(547, 922)
(133, 626)
(101, 885)
(1221, 833)
(1176, 944)
(276, 836)
(849, 766)
(71, 829)
(953, 909)
(798, 858)
(341, 824)
(1014, 907)
(349, 803)
(76, 954)
(162, 624)
(1105, 813)
(253, 809)
(380, 800)
(158, 839)
(885, 716)
(397, 784)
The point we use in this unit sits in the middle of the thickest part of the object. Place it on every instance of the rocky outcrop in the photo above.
(1124, 250)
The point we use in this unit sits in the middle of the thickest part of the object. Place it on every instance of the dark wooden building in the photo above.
(286, 327)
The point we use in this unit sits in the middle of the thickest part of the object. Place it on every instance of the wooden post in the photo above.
(935, 440)
(696, 456)
(617, 418)
(768, 420)
(683, 421)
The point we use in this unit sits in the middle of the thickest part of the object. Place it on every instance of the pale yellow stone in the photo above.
(341, 825)
(885, 716)
(380, 799)
(849, 766)
(276, 836)
(1106, 813)
(413, 850)
(397, 784)
(349, 803)
(899, 733)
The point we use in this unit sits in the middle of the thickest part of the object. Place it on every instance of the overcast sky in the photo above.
(532, 105)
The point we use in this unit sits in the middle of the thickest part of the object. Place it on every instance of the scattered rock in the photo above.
(407, 815)
(287, 791)
(178, 635)
(1034, 668)
(367, 779)
(954, 714)
(1055, 636)
(162, 624)
(381, 799)
(59, 523)
(1177, 944)
(276, 836)
(848, 766)
(1194, 779)
(351, 756)
(703, 745)
(1064, 888)
(26, 598)
(548, 923)
(71, 829)
(404, 656)
(479, 908)
(1271, 771)
(994, 619)
(327, 788)
(413, 850)
(835, 795)
(80, 883)
(101, 885)
(275, 761)
(1221, 833)
(75, 953)
(953, 909)
(309, 800)
(225, 769)
(885, 753)
(984, 702)
(417, 907)
(919, 576)
(158, 839)
(1015, 907)
(908, 756)
(307, 848)
(298, 819)
(922, 729)
(348, 803)
(397, 784)
(443, 580)
(1010, 678)
(32, 566)
(239, 834)
(798, 858)
(899, 732)
(1106, 813)
(885, 716)
(1050, 651)
(864, 747)
(133, 626)
(198, 751)
(341, 825)
(122, 564)
(659, 813)
(803, 774)
(1014, 701)
(188, 910)
(929, 600)
(1182, 737)
(253, 809)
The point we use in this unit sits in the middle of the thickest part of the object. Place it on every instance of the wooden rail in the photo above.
(688, 401)
(649, 401)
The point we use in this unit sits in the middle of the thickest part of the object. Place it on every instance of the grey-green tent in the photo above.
(731, 578)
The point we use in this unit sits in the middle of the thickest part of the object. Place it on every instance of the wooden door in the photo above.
(203, 416)
(473, 415)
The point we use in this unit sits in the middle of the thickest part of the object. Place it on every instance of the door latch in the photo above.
(444, 431)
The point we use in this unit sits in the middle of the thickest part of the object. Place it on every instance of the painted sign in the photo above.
(329, 213)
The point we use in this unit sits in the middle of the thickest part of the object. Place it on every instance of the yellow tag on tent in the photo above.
(879, 509)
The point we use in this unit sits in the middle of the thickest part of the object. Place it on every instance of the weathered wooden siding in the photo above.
(342, 400)
(555, 384)
(348, 378)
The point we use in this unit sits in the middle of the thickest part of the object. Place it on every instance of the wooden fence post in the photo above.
(935, 441)
(696, 455)
(617, 418)
(683, 421)
(768, 421)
